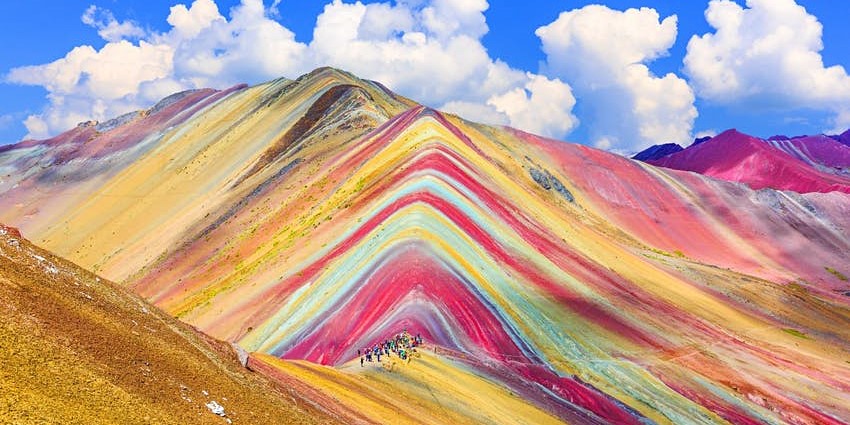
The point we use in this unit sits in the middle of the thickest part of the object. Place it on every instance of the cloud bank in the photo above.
(596, 71)
(603, 54)
(428, 50)
(766, 55)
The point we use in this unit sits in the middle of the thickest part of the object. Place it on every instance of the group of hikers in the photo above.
(403, 345)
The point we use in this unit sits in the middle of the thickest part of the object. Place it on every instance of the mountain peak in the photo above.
(329, 72)
(732, 133)
(845, 138)
(657, 151)
(803, 164)
(311, 219)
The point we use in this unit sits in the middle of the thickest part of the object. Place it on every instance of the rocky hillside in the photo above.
(77, 349)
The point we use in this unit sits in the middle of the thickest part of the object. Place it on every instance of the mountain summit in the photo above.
(310, 219)
(801, 164)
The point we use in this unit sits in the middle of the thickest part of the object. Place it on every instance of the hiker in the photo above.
(402, 344)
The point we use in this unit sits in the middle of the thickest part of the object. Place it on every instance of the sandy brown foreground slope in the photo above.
(77, 349)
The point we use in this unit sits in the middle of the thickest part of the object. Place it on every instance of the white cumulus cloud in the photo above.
(88, 83)
(539, 107)
(108, 27)
(603, 55)
(432, 52)
(136, 68)
(766, 55)
(188, 22)
(429, 50)
(211, 51)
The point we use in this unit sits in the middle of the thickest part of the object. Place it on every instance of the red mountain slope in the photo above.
(735, 156)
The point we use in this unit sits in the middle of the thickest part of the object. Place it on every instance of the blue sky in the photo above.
(583, 90)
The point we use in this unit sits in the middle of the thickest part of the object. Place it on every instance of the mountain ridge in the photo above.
(78, 349)
(802, 164)
(560, 270)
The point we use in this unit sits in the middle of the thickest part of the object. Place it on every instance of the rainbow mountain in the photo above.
(307, 219)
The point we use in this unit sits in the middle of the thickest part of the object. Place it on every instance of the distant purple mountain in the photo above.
(844, 138)
(657, 152)
(699, 140)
